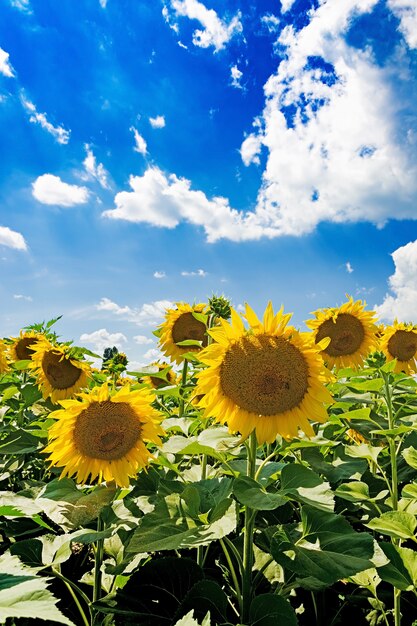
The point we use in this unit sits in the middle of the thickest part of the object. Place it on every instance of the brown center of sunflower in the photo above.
(107, 430)
(60, 372)
(264, 374)
(186, 327)
(24, 348)
(403, 345)
(346, 334)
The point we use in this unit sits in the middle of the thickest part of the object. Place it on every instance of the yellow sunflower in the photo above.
(269, 378)
(103, 436)
(352, 332)
(181, 325)
(4, 365)
(59, 375)
(22, 347)
(399, 341)
(155, 381)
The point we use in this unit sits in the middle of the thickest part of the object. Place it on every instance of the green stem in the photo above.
(71, 586)
(394, 485)
(77, 602)
(183, 383)
(233, 574)
(200, 554)
(98, 559)
(248, 536)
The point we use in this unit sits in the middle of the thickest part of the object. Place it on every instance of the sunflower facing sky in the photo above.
(181, 325)
(59, 375)
(399, 341)
(352, 332)
(268, 378)
(22, 348)
(4, 366)
(103, 436)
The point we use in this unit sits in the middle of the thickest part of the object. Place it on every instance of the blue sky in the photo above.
(154, 152)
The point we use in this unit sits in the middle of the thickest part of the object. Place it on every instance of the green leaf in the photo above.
(410, 456)
(323, 550)
(356, 414)
(395, 572)
(302, 484)
(252, 494)
(397, 524)
(269, 610)
(364, 451)
(19, 442)
(25, 595)
(9, 393)
(353, 492)
(373, 384)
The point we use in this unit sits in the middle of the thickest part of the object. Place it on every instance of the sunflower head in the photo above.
(352, 332)
(103, 436)
(59, 375)
(399, 342)
(268, 378)
(22, 347)
(181, 325)
(4, 365)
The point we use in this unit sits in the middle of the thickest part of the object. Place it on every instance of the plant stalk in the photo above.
(183, 383)
(248, 555)
(98, 559)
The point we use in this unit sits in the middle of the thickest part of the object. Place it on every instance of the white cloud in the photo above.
(271, 22)
(159, 274)
(200, 273)
(153, 355)
(58, 132)
(50, 189)
(349, 268)
(236, 75)
(157, 122)
(103, 4)
(403, 284)
(142, 340)
(165, 201)
(5, 67)
(140, 143)
(94, 170)
(101, 339)
(12, 239)
(406, 12)
(251, 149)
(286, 5)
(149, 314)
(19, 296)
(21, 5)
(215, 31)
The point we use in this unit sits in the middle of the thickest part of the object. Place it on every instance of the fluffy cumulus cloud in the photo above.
(12, 239)
(101, 339)
(157, 122)
(50, 189)
(149, 314)
(142, 340)
(236, 76)
(5, 66)
(215, 31)
(402, 302)
(93, 170)
(158, 274)
(406, 12)
(200, 273)
(59, 133)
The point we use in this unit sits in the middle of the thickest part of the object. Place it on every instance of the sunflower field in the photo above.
(259, 476)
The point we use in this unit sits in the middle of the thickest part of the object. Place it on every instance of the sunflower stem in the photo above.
(394, 484)
(249, 526)
(98, 559)
(200, 554)
(183, 383)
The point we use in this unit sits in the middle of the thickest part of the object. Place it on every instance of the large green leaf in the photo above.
(167, 528)
(269, 610)
(323, 549)
(250, 493)
(395, 572)
(410, 455)
(397, 524)
(302, 484)
(23, 594)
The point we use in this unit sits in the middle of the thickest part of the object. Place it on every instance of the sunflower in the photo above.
(4, 365)
(59, 375)
(269, 378)
(103, 436)
(22, 348)
(181, 325)
(399, 341)
(352, 332)
(155, 381)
